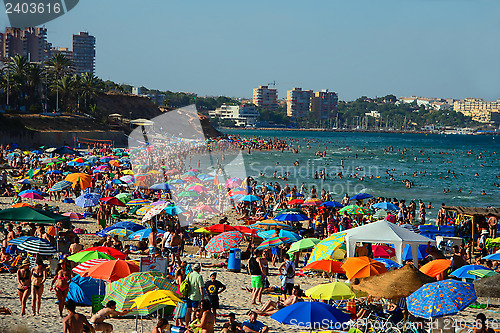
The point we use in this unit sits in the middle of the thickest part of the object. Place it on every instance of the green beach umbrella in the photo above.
(189, 194)
(125, 290)
(123, 197)
(84, 256)
(303, 244)
(482, 273)
(353, 210)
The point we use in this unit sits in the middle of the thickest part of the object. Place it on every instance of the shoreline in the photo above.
(345, 130)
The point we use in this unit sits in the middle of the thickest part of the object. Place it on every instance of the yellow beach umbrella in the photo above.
(326, 248)
(202, 231)
(334, 290)
(128, 172)
(153, 297)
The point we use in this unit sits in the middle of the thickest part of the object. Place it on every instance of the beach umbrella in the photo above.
(273, 242)
(295, 202)
(37, 246)
(73, 215)
(463, 272)
(312, 315)
(126, 290)
(294, 237)
(102, 168)
(174, 210)
(202, 231)
(141, 211)
(388, 263)
(332, 204)
(219, 228)
(298, 195)
(385, 206)
(153, 297)
(127, 224)
(327, 266)
(61, 185)
(395, 284)
(120, 232)
(31, 191)
(138, 202)
(155, 210)
(353, 210)
(383, 251)
(360, 196)
(233, 182)
(435, 267)
(176, 181)
(162, 187)
(112, 201)
(407, 254)
(326, 248)
(81, 289)
(197, 188)
(31, 195)
(26, 181)
(494, 257)
(128, 173)
(57, 172)
(84, 256)
(358, 267)
(312, 202)
(123, 197)
(129, 179)
(88, 200)
(206, 208)
(87, 264)
(442, 298)
(291, 217)
(82, 179)
(109, 250)
(224, 242)
(28, 214)
(159, 202)
(143, 233)
(250, 198)
(328, 291)
(482, 273)
(111, 270)
(303, 244)
(22, 239)
(246, 230)
(188, 194)
(21, 204)
(270, 224)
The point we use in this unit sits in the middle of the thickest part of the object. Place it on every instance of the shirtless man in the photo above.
(10, 235)
(74, 322)
(492, 224)
(152, 239)
(97, 320)
(175, 244)
(207, 320)
(362, 251)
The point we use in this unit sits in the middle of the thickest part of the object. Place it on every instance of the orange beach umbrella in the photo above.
(111, 270)
(80, 178)
(359, 267)
(325, 265)
(435, 267)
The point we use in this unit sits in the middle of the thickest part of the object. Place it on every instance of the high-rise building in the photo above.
(324, 104)
(478, 109)
(61, 50)
(266, 98)
(243, 115)
(30, 42)
(84, 53)
(298, 102)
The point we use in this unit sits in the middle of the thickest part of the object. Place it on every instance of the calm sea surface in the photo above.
(431, 162)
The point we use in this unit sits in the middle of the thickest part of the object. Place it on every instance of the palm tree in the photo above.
(15, 70)
(59, 65)
(34, 74)
(91, 86)
(65, 87)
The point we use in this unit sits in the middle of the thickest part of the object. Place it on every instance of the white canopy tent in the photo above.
(385, 232)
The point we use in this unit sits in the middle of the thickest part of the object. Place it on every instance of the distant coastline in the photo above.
(348, 130)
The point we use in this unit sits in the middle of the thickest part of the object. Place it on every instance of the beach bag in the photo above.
(180, 310)
(290, 270)
(184, 288)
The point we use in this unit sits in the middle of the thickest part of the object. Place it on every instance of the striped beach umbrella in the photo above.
(37, 246)
(88, 200)
(272, 224)
(73, 215)
(20, 240)
(312, 202)
(138, 202)
(129, 179)
(272, 242)
(59, 186)
(143, 210)
(224, 242)
(326, 248)
(84, 256)
(87, 264)
(126, 290)
(143, 233)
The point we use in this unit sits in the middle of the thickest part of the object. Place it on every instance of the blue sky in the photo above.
(433, 48)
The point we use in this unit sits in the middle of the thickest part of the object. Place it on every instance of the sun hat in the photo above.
(25, 262)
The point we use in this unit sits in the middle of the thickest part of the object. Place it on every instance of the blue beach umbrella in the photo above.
(386, 206)
(174, 210)
(332, 204)
(361, 196)
(283, 233)
(494, 256)
(407, 255)
(81, 289)
(22, 239)
(88, 200)
(291, 217)
(162, 187)
(441, 298)
(143, 233)
(133, 227)
(176, 181)
(388, 263)
(59, 186)
(250, 198)
(57, 172)
(312, 315)
(298, 195)
(462, 272)
(31, 191)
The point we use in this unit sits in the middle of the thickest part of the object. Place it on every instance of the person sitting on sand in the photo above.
(97, 320)
(232, 326)
(161, 326)
(74, 322)
(207, 320)
(252, 325)
(481, 326)
(271, 307)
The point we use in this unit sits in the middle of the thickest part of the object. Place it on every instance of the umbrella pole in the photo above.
(136, 318)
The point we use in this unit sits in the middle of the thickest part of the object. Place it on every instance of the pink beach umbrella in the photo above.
(73, 215)
(32, 195)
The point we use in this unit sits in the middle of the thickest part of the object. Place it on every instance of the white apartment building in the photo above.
(243, 115)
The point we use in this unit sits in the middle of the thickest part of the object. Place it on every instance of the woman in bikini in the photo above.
(39, 275)
(61, 281)
(24, 284)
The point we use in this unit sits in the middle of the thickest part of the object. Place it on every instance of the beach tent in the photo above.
(28, 214)
(81, 289)
(385, 232)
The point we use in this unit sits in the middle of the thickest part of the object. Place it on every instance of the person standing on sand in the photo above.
(196, 292)
(492, 224)
(24, 284)
(214, 287)
(39, 275)
(255, 271)
(152, 239)
(61, 281)
(74, 322)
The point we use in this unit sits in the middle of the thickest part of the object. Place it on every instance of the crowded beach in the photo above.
(120, 240)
